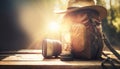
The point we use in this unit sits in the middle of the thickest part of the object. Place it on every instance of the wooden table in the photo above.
(34, 60)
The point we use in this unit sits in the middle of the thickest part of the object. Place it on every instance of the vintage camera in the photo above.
(53, 48)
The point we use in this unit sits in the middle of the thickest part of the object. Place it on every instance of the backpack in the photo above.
(86, 37)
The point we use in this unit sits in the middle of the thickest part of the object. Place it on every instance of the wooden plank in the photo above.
(36, 61)
(52, 64)
(23, 51)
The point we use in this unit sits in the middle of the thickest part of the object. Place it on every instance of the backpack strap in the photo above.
(106, 41)
(110, 61)
(108, 44)
(98, 36)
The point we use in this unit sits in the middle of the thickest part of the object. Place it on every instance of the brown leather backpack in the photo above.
(86, 37)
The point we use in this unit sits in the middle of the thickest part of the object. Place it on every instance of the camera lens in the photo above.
(51, 48)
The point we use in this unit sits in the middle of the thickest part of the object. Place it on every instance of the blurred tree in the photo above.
(111, 25)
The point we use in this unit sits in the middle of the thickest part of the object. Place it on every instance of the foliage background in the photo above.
(111, 25)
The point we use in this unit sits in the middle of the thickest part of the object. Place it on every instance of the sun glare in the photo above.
(54, 27)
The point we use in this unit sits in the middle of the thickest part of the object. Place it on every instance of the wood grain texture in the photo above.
(26, 61)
